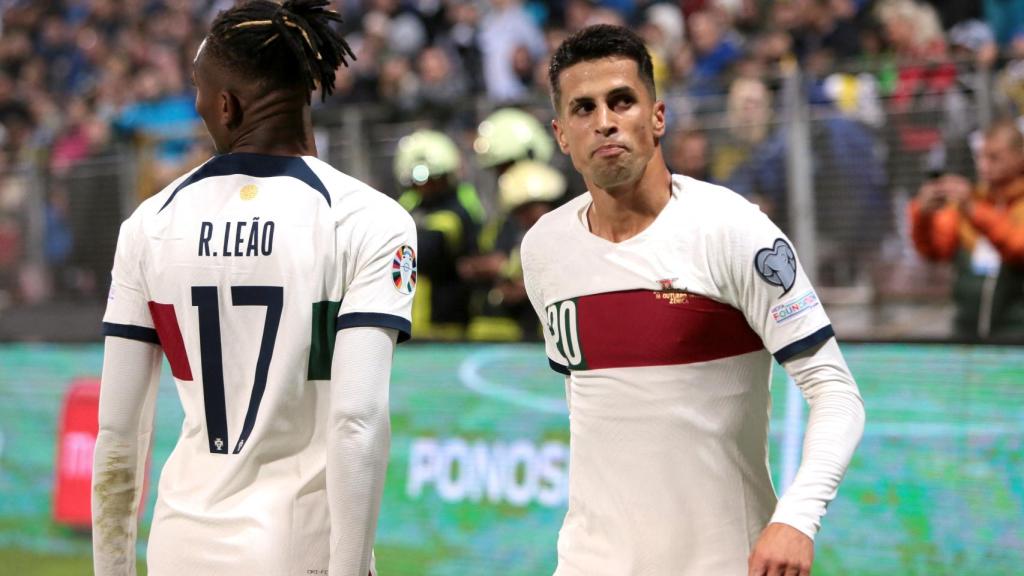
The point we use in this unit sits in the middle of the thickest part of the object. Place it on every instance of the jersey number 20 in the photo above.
(205, 299)
(562, 325)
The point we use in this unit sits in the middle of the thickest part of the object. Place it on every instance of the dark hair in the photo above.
(596, 42)
(282, 45)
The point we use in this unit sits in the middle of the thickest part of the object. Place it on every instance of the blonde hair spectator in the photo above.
(913, 27)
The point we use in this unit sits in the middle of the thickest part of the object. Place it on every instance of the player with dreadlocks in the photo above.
(277, 287)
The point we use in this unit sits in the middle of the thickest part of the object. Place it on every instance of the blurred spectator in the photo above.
(773, 49)
(579, 14)
(928, 116)
(463, 20)
(398, 87)
(541, 84)
(358, 82)
(624, 9)
(856, 97)
(748, 123)
(399, 25)
(81, 136)
(689, 154)
(974, 51)
(448, 216)
(662, 35)
(12, 198)
(820, 25)
(980, 228)
(912, 28)
(163, 116)
(667, 18)
(1010, 93)
(973, 41)
(505, 137)
(442, 89)
(526, 191)
(507, 27)
(15, 117)
(852, 204)
(714, 52)
(59, 241)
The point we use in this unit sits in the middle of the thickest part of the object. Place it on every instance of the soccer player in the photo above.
(277, 288)
(664, 299)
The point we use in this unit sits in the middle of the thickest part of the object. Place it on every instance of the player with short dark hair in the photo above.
(664, 300)
(277, 287)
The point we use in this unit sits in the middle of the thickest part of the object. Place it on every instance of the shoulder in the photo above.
(553, 227)
(151, 207)
(354, 201)
(366, 221)
(712, 200)
(717, 211)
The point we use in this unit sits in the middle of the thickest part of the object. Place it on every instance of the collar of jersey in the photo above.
(584, 225)
(256, 166)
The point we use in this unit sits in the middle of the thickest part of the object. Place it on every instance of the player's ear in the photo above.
(563, 142)
(230, 109)
(658, 118)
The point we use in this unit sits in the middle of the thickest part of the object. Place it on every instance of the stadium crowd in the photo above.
(894, 85)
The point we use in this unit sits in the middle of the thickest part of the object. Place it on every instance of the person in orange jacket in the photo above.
(981, 229)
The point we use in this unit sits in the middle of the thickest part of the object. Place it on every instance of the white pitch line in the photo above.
(790, 427)
(471, 377)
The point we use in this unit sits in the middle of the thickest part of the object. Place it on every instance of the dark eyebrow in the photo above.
(614, 93)
(621, 91)
(580, 100)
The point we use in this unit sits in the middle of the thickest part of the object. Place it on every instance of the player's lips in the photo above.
(609, 150)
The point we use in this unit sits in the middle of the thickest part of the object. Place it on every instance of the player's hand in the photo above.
(781, 551)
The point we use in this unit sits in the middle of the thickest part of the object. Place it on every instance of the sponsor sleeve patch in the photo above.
(794, 308)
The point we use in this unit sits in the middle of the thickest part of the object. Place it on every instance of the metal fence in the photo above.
(836, 177)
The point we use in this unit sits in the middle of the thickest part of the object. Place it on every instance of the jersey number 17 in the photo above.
(205, 299)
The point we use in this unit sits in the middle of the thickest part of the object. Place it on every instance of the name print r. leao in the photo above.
(258, 240)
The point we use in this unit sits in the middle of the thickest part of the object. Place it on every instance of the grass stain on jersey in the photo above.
(114, 508)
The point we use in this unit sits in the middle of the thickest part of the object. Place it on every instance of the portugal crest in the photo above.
(403, 269)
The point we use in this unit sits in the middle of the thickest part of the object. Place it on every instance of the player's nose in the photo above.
(605, 121)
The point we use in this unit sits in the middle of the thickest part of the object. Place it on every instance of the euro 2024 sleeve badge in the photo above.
(403, 269)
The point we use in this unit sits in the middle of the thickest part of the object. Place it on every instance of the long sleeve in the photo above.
(834, 428)
(934, 233)
(131, 375)
(358, 442)
(1006, 235)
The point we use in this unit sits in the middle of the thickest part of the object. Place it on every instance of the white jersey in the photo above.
(667, 340)
(243, 270)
